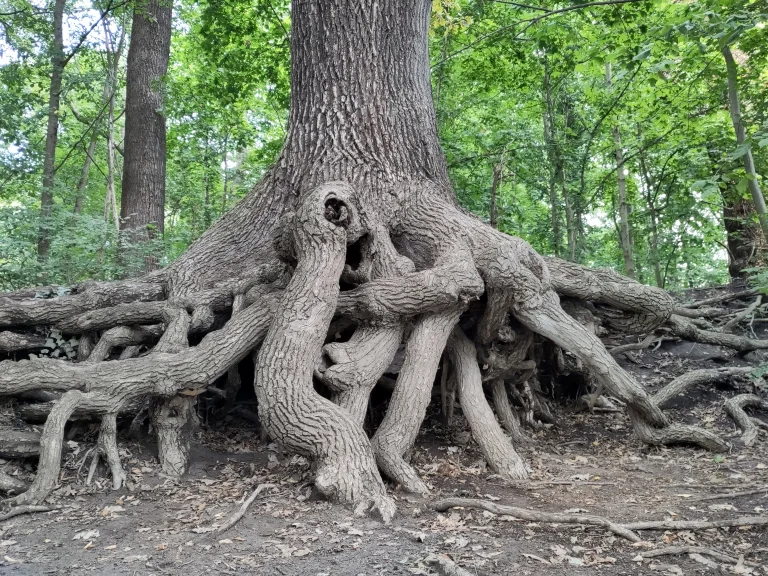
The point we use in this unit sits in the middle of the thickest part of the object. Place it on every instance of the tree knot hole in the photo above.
(337, 212)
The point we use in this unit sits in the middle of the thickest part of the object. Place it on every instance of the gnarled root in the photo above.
(496, 447)
(409, 402)
(290, 409)
(106, 447)
(735, 409)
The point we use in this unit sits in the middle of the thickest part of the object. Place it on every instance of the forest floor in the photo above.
(587, 463)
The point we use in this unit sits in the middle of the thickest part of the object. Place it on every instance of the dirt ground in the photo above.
(587, 463)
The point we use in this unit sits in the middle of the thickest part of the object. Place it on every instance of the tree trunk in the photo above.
(83, 181)
(143, 190)
(52, 132)
(498, 170)
(358, 199)
(625, 235)
(554, 160)
(113, 63)
(734, 105)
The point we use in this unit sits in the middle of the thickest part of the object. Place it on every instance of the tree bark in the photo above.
(554, 160)
(734, 105)
(625, 235)
(52, 132)
(143, 188)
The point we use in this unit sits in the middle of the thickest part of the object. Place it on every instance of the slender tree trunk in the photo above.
(225, 190)
(143, 189)
(83, 182)
(625, 236)
(497, 176)
(650, 202)
(734, 106)
(554, 160)
(52, 132)
(113, 63)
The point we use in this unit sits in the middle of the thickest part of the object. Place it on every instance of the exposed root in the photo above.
(13, 342)
(675, 434)
(19, 444)
(50, 450)
(641, 345)
(409, 402)
(11, 485)
(694, 378)
(122, 336)
(686, 329)
(290, 409)
(735, 409)
(356, 365)
(507, 416)
(107, 448)
(87, 297)
(19, 510)
(495, 446)
(538, 515)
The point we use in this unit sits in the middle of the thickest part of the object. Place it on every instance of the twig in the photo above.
(537, 515)
(642, 345)
(693, 550)
(235, 518)
(570, 482)
(19, 510)
(731, 495)
(728, 326)
(697, 524)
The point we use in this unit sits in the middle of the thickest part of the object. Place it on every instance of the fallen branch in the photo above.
(731, 495)
(697, 524)
(19, 510)
(235, 518)
(642, 345)
(623, 530)
(537, 515)
(728, 326)
(693, 550)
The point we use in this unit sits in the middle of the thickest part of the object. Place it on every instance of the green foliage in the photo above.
(516, 87)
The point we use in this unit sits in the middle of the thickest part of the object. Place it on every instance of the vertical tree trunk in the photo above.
(143, 190)
(52, 132)
(651, 194)
(497, 175)
(554, 159)
(625, 237)
(734, 106)
(83, 182)
(113, 63)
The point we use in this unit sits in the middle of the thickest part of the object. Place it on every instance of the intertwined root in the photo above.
(414, 281)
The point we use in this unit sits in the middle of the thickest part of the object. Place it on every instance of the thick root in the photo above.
(356, 365)
(413, 391)
(686, 329)
(496, 447)
(735, 409)
(694, 378)
(51, 442)
(507, 416)
(290, 409)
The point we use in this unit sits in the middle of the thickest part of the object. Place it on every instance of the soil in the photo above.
(587, 462)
